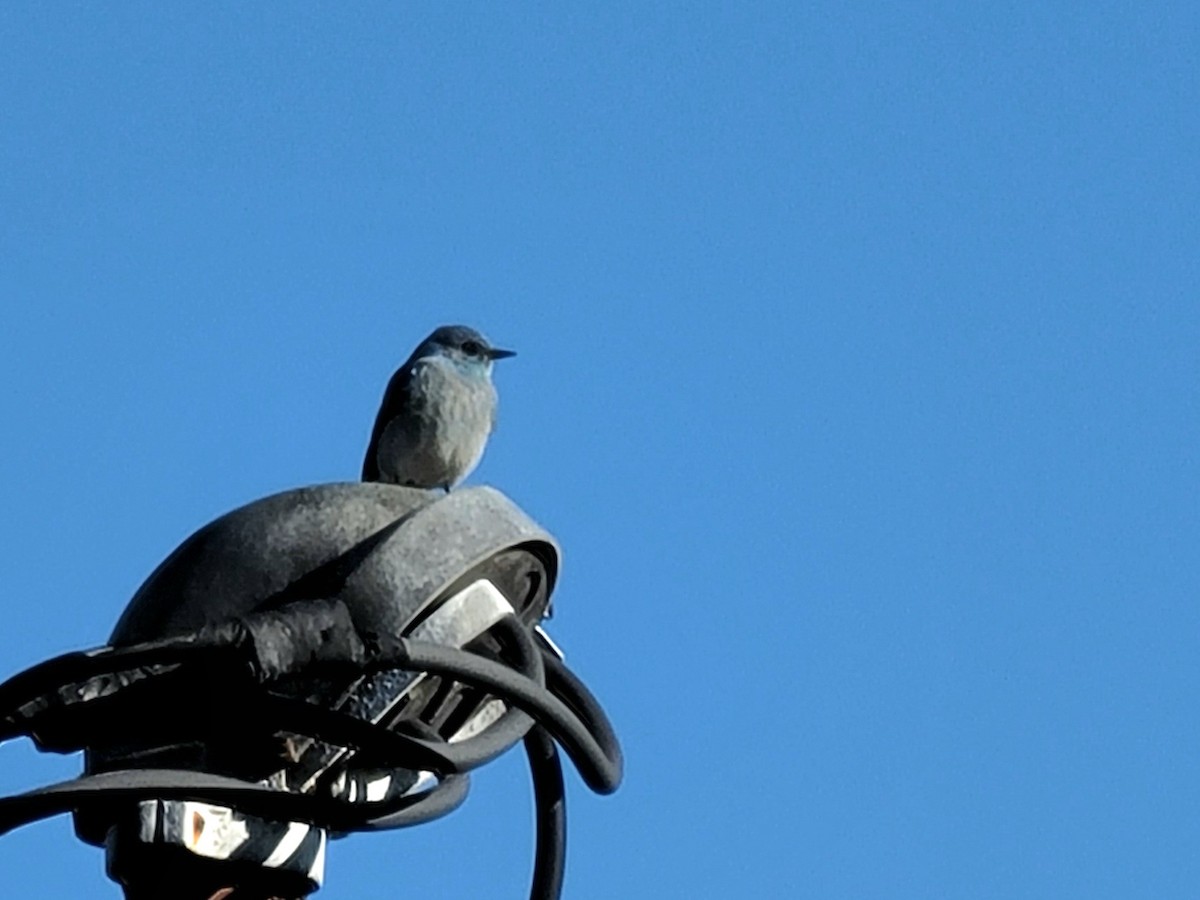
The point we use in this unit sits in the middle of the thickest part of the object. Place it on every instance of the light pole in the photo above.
(324, 661)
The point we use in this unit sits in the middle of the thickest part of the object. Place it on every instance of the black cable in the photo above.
(395, 750)
(131, 785)
(486, 746)
(550, 805)
(513, 724)
(599, 761)
(568, 687)
(271, 644)
(531, 682)
(440, 801)
(545, 771)
(406, 810)
(46, 677)
(600, 770)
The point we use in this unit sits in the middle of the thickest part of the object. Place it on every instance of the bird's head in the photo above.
(463, 346)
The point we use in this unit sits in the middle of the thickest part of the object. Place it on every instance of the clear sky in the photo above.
(857, 377)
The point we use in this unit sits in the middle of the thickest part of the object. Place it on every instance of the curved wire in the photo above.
(550, 803)
(253, 798)
(513, 724)
(567, 686)
(532, 682)
(438, 801)
(600, 767)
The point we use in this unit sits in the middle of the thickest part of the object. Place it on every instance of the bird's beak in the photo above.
(494, 354)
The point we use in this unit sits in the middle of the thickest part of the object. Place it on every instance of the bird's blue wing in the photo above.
(396, 399)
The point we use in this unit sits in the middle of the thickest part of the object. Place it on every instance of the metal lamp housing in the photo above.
(405, 562)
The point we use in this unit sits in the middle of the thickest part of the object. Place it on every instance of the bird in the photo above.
(437, 413)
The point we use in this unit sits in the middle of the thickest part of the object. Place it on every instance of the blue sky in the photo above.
(857, 376)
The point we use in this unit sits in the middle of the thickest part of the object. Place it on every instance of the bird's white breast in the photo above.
(442, 439)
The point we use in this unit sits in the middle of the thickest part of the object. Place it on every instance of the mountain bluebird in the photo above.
(437, 412)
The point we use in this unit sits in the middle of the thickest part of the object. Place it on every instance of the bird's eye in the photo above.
(472, 348)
